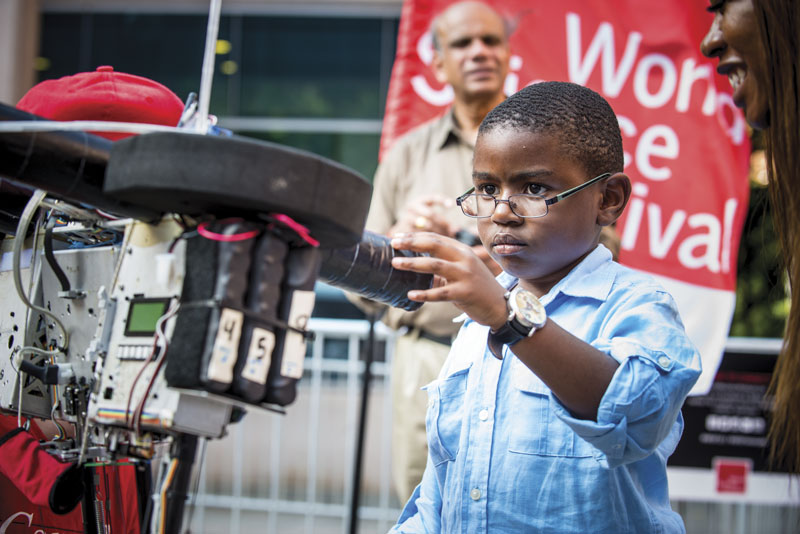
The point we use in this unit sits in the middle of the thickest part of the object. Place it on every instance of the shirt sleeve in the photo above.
(422, 512)
(383, 209)
(658, 367)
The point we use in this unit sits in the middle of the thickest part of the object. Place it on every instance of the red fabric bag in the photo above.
(116, 489)
(39, 476)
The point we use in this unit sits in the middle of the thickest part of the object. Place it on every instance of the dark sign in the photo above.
(732, 420)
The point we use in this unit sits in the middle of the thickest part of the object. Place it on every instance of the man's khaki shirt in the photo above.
(432, 159)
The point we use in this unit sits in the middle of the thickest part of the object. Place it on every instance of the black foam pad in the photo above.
(234, 176)
(188, 339)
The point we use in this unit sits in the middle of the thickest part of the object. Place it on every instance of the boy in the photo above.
(559, 403)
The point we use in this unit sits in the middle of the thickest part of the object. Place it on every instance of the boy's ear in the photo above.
(616, 193)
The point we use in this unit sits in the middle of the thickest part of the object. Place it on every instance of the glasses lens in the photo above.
(476, 205)
(528, 205)
(485, 204)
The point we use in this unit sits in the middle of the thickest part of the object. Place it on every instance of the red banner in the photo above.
(686, 144)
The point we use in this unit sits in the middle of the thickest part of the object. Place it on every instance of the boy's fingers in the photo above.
(428, 242)
(408, 241)
(435, 294)
(422, 264)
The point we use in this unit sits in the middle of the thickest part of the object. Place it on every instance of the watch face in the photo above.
(528, 308)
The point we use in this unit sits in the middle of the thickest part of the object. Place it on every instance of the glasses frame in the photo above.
(547, 201)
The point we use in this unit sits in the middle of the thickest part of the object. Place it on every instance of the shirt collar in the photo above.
(590, 278)
(448, 131)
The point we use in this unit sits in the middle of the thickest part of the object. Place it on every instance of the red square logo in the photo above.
(732, 474)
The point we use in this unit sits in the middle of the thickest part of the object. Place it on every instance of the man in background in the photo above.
(415, 189)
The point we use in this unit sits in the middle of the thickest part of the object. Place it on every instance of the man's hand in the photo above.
(425, 215)
(460, 276)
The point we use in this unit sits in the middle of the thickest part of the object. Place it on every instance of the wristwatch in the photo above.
(526, 315)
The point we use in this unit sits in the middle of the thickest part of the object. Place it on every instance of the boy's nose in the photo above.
(502, 213)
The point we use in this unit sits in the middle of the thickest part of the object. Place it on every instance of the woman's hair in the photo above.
(779, 31)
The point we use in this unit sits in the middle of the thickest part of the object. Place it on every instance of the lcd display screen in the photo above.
(143, 316)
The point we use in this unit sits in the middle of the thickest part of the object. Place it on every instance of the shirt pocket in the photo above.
(444, 416)
(537, 429)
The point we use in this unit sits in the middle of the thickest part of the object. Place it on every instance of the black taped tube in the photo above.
(184, 448)
(366, 269)
(68, 165)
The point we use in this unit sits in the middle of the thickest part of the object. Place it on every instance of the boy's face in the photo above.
(543, 250)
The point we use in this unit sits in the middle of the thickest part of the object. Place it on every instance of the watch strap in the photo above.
(506, 335)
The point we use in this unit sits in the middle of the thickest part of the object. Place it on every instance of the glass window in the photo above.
(165, 48)
(357, 151)
(266, 66)
(61, 45)
(311, 67)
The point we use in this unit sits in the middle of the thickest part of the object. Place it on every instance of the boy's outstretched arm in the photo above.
(577, 373)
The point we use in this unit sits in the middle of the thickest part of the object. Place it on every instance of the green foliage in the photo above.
(762, 304)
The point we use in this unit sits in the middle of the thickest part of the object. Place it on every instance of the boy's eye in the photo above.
(535, 189)
(487, 189)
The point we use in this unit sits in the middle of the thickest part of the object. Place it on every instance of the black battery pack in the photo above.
(258, 337)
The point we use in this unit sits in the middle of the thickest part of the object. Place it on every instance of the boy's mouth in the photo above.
(507, 244)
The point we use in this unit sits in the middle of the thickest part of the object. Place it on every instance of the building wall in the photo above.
(19, 40)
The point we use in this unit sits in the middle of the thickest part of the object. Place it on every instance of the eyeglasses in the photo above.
(481, 205)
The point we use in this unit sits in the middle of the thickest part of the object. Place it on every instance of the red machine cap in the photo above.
(104, 95)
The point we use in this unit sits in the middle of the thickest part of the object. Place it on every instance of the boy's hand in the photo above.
(487, 260)
(460, 276)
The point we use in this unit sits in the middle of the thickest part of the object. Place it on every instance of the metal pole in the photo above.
(362, 425)
(208, 65)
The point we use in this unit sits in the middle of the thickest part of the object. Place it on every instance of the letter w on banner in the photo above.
(686, 147)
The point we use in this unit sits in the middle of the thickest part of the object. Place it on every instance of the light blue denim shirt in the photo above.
(506, 456)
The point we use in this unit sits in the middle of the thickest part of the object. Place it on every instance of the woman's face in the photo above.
(733, 39)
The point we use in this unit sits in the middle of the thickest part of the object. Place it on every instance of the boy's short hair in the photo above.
(582, 120)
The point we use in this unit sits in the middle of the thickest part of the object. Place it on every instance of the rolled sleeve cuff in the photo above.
(639, 407)
(607, 437)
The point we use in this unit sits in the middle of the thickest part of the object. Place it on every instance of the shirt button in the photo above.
(483, 415)
(663, 361)
(475, 494)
